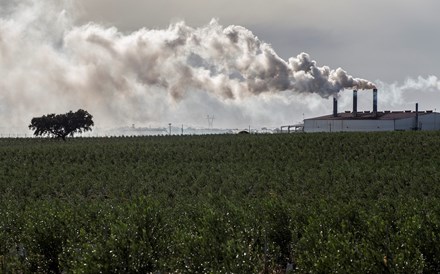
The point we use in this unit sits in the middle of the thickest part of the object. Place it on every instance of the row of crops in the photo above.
(345, 202)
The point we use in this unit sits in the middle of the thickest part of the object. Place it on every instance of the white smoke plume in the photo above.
(425, 90)
(47, 64)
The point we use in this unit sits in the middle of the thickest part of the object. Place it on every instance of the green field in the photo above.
(349, 202)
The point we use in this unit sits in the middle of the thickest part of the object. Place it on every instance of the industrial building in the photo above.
(373, 120)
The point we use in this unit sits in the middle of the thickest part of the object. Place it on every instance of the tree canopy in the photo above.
(62, 125)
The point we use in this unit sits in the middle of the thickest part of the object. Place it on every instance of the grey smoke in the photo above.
(50, 65)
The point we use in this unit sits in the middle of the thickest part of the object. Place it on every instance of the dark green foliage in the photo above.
(62, 125)
(322, 203)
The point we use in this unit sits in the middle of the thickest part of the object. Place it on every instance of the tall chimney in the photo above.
(417, 117)
(335, 107)
(375, 101)
(355, 102)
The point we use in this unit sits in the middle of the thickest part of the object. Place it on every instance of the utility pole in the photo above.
(210, 121)
(170, 128)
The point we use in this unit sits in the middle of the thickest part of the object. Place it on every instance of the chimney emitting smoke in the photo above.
(375, 101)
(335, 107)
(355, 103)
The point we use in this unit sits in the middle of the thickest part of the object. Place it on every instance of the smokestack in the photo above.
(375, 101)
(355, 102)
(335, 107)
(417, 117)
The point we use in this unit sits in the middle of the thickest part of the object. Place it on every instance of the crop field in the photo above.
(318, 203)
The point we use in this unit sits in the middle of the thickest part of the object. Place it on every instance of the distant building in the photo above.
(373, 120)
(366, 121)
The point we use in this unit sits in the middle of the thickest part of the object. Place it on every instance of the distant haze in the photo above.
(52, 60)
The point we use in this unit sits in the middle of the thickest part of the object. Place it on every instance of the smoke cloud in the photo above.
(50, 65)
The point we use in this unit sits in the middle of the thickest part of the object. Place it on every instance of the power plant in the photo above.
(373, 120)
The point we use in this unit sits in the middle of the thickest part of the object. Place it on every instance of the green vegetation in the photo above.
(358, 203)
(62, 125)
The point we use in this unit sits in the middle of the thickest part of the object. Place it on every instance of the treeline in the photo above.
(346, 202)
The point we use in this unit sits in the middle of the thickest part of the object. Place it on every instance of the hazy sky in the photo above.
(88, 54)
(375, 39)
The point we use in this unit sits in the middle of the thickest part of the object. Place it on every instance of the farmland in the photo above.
(222, 204)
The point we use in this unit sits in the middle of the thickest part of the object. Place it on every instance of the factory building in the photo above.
(358, 121)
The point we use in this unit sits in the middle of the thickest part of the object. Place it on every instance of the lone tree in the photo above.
(62, 125)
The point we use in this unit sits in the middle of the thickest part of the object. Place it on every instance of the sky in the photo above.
(258, 63)
(388, 40)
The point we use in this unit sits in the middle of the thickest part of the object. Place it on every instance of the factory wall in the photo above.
(348, 125)
(405, 124)
(426, 122)
(429, 121)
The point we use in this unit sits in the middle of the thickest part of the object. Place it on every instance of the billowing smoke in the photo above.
(48, 64)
